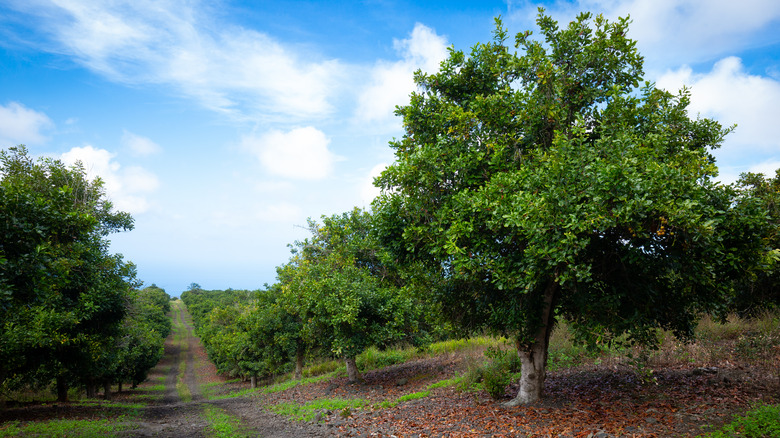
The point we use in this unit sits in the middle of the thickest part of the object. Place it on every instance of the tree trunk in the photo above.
(107, 390)
(62, 390)
(253, 382)
(91, 389)
(533, 356)
(299, 365)
(352, 372)
(119, 386)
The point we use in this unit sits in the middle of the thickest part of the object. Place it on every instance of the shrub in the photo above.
(761, 422)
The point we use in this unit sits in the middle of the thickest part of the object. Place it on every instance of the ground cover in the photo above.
(729, 374)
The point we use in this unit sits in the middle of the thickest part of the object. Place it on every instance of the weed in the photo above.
(222, 424)
(155, 388)
(283, 386)
(308, 411)
(761, 422)
(404, 398)
(373, 358)
(65, 428)
(446, 383)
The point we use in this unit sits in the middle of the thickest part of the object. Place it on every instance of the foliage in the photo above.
(64, 428)
(223, 424)
(62, 294)
(548, 184)
(760, 422)
(405, 398)
(761, 291)
(308, 411)
(343, 291)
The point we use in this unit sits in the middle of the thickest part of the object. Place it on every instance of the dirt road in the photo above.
(183, 411)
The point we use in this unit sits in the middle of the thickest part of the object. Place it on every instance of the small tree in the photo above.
(547, 184)
(343, 291)
(62, 294)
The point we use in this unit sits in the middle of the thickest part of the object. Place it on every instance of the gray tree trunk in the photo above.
(533, 355)
(352, 371)
(299, 365)
(253, 382)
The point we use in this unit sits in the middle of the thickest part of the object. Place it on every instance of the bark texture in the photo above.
(533, 355)
(253, 382)
(352, 371)
(299, 365)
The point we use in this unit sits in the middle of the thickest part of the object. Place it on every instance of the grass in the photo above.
(404, 398)
(760, 422)
(65, 428)
(181, 386)
(222, 424)
(446, 383)
(283, 386)
(308, 411)
(155, 388)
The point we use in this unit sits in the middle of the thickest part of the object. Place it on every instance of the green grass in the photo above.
(155, 388)
(404, 398)
(323, 367)
(760, 422)
(65, 428)
(446, 383)
(308, 411)
(222, 424)
(283, 386)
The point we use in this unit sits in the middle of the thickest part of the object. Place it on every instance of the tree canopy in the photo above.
(63, 295)
(545, 182)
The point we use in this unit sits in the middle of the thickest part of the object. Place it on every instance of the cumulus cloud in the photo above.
(368, 191)
(22, 125)
(301, 153)
(138, 145)
(226, 68)
(392, 82)
(126, 187)
(732, 96)
(677, 31)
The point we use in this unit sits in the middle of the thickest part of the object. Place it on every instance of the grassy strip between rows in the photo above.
(66, 428)
(181, 386)
(308, 411)
(222, 424)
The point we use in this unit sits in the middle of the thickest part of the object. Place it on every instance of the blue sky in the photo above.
(222, 125)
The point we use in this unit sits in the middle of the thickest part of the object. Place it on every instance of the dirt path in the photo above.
(180, 411)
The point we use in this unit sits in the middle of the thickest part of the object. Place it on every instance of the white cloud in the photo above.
(126, 188)
(368, 191)
(732, 96)
(226, 68)
(768, 168)
(21, 125)
(677, 31)
(392, 82)
(301, 153)
(138, 145)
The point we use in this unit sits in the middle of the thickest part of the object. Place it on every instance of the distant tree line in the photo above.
(533, 183)
(71, 313)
